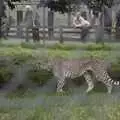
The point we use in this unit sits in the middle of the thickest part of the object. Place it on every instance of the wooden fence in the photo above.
(59, 33)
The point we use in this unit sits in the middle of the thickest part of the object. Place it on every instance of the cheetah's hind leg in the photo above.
(89, 81)
(109, 88)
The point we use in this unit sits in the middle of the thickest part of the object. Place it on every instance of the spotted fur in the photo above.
(77, 67)
(73, 68)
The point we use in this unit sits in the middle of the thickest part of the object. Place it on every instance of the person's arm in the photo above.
(25, 17)
(74, 22)
(84, 22)
(76, 25)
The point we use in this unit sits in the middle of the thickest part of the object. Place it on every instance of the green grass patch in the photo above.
(5, 75)
(31, 45)
(65, 46)
(115, 66)
(90, 47)
(97, 47)
(21, 92)
(40, 76)
(60, 112)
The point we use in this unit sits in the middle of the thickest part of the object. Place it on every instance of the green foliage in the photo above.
(11, 3)
(115, 67)
(97, 5)
(5, 75)
(21, 93)
(67, 46)
(90, 47)
(63, 112)
(97, 54)
(113, 113)
(17, 55)
(40, 77)
(59, 53)
(61, 6)
(31, 45)
(64, 47)
(13, 51)
(96, 47)
(20, 59)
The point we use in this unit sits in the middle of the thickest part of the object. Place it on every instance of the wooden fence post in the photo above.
(1, 12)
(19, 20)
(61, 35)
(50, 25)
(44, 14)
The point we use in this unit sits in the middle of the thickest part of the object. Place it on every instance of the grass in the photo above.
(20, 55)
(40, 76)
(70, 105)
(5, 75)
(66, 46)
(66, 112)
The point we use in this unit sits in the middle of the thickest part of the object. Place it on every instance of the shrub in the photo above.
(20, 59)
(5, 75)
(91, 47)
(40, 77)
(95, 47)
(31, 45)
(113, 112)
(115, 67)
(15, 51)
(64, 46)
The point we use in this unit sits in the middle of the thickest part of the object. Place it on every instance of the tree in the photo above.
(100, 6)
(61, 6)
(11, 5)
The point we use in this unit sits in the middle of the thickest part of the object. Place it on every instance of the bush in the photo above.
(21, 59)
(113, 112)
(95, 47)
(40, 77)
(31, 45)
(90, 47)
(15, 51)
(97, 54)
(5, 75)
(5, 70)
(115, 66)
(64, 46)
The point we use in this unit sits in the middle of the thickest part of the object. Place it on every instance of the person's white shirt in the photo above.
(80, 22)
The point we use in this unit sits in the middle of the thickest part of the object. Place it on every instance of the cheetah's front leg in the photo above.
(60, 85)
(89, 81)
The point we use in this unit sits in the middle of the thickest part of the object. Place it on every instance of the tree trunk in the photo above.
(69, 17)
(0, 27)
(100, 29)
(50, 24)
(44, 24)
(19, 21)
(1, 14)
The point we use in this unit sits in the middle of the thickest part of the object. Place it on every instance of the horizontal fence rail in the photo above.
(62, 32)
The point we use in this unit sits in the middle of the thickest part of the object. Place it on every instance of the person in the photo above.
(5, 27)
(117, 25)
(35, 29)
(28, 20)
(84, 25)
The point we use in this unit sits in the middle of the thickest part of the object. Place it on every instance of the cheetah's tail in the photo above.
(116, 83)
